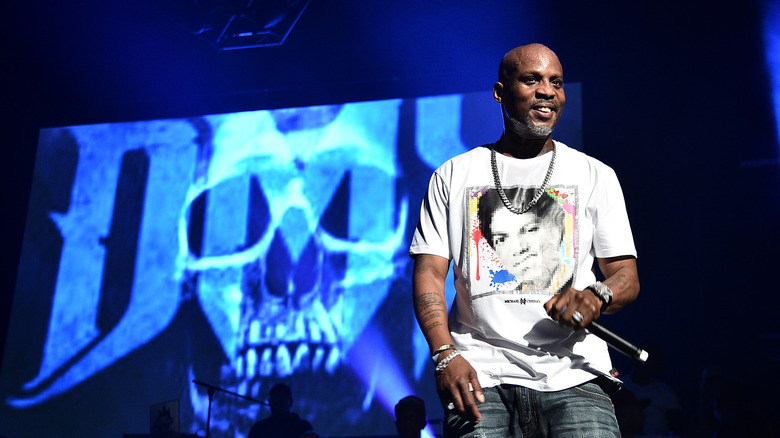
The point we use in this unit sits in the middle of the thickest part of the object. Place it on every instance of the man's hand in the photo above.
(455, 385)
(621, 277)
(562, 307)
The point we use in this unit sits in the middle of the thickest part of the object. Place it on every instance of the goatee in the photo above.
(527, 129)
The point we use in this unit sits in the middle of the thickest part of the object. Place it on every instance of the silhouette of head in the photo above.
(410, 416)
(280, 399)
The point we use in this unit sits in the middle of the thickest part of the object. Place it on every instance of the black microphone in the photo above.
(617, 342)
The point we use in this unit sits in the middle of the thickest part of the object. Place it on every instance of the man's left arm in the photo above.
(620, 275)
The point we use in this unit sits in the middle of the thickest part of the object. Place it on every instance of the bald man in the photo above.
(511, 357)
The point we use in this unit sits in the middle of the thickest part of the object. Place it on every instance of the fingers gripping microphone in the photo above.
(617, 342)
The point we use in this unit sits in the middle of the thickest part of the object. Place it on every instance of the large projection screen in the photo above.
(163, 258)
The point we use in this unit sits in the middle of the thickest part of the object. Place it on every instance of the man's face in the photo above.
(531, 91)
(526, 248)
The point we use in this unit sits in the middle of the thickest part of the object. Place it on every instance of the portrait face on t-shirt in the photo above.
(526, 244)
(529, 247)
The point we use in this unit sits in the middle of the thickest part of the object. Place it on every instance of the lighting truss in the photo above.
(238, 24)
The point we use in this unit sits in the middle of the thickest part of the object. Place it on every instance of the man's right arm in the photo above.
(430, 307)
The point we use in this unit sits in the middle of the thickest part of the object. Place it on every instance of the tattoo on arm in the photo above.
(430, 309)
(624, 285)
(430, 322)
(618, 282)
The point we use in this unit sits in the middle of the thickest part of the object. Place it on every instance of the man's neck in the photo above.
(519, 147)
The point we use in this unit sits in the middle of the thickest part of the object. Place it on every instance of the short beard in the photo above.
(527, 129)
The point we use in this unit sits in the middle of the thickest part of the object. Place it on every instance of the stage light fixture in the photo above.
(238, 24)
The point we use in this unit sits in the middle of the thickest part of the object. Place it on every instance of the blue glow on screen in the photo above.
(239, 249)
(772, 47)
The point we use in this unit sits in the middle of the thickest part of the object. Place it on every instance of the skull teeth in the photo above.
(286, 359)
(301, 341)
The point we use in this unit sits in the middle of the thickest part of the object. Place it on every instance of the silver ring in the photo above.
(450, 406)
(577, 317)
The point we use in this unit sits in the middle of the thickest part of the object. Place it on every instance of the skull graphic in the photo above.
(301, 228)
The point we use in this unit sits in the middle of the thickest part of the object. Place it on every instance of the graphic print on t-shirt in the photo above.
(529, 253)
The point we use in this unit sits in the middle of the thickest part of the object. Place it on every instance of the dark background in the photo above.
(676, 99)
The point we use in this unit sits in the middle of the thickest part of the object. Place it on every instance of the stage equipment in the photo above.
(237, 24)
(212, 389)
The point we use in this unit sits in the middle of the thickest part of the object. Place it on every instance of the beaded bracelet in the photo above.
(446, 361)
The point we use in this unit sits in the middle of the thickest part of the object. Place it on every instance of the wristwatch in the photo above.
(603, 292)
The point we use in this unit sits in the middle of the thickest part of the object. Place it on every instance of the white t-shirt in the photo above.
(507, 266)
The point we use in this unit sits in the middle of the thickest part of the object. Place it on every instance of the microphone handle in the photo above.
(617, 342)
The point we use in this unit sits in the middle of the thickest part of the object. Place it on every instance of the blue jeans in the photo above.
(514, 411)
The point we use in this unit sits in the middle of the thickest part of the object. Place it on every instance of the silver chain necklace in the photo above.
(523, 206)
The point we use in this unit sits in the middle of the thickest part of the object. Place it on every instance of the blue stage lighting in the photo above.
(381, 373)
(772, 48)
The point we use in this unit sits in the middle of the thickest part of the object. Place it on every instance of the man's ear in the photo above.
(498, 91)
